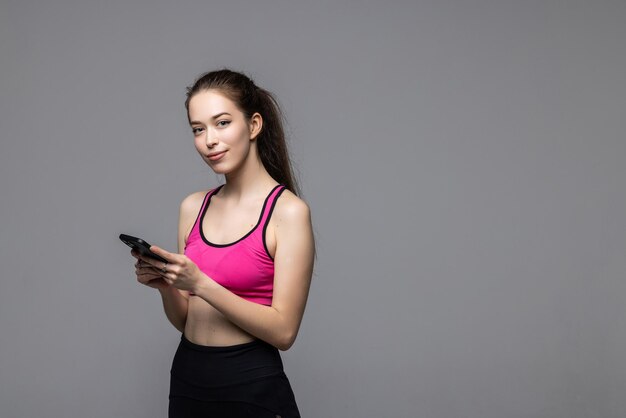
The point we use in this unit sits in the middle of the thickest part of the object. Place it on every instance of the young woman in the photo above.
(238, 286)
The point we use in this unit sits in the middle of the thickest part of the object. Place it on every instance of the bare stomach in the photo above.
(207, 326)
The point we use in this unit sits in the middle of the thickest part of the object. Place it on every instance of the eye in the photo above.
(196, 131)
(223, 123)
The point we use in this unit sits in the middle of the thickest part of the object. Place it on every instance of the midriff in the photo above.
(207, 326)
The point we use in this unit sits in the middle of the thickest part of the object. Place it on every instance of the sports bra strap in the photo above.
(271, 202)
(207, 196)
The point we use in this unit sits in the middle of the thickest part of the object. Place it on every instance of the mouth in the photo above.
(216, 155)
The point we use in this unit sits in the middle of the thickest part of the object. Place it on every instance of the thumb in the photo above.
(160, 251)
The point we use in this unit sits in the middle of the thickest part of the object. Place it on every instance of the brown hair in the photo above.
(250, 99)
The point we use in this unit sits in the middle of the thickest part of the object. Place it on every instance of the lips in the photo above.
(216, 155)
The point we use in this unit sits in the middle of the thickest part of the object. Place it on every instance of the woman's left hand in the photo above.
(179, 271)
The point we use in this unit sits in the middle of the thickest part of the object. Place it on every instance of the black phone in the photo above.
(141, 246)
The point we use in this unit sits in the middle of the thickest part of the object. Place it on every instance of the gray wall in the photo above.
(464, 161)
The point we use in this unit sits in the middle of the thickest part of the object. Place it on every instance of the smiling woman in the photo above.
(225, 133)
(238, 287)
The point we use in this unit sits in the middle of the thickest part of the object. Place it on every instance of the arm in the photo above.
(175, 301)
(175, 305)
(277, 324)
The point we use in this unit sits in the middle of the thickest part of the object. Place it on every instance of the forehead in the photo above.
(205, 104)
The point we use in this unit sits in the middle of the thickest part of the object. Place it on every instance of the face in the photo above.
(222, 135)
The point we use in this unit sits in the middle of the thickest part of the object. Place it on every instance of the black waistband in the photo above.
(219, 349)
(210, 366)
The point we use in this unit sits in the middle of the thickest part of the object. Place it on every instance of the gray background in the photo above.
(464, 162)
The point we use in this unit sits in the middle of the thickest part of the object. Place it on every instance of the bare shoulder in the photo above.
(294, 242)
(291, 210)
(189, 208)
(192, 203)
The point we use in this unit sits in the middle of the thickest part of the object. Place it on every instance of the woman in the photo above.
(237, 289)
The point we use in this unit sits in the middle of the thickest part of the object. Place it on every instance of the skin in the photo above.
(215, 316)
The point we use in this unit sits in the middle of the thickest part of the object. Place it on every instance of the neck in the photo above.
(250, 179)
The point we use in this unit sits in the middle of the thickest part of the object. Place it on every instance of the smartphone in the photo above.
(141, 246)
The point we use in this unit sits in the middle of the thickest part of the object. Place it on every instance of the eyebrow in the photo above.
(195, 122)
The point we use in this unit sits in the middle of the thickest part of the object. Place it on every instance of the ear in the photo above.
(256, 125)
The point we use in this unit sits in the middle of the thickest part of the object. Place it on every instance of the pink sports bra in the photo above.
(245, 266)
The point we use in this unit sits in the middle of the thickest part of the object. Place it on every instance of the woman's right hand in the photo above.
(147, 274)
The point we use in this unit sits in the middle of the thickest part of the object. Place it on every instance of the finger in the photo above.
(149, 262)
(144, 266)
(145, 278)
(148, 271)
(170, 257)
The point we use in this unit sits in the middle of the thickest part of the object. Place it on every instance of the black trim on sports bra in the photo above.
(267, 221)
(204, 203)
(206, 241)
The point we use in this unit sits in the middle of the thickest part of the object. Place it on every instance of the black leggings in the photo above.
(240, 381)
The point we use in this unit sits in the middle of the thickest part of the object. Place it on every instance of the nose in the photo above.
(211, 138)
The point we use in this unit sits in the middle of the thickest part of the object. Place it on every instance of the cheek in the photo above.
(199, 143)
(236, 137)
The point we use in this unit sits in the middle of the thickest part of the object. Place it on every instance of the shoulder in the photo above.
(291, 210)
(189, 211)
(293, 230)
(193, 202)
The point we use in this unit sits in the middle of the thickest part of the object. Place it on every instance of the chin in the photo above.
(219, 169)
